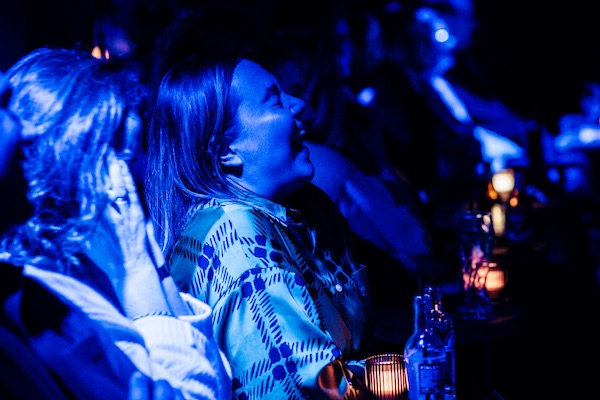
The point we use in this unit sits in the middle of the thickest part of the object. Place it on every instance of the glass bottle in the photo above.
(424, 355)
(443, 326)
(475, 241)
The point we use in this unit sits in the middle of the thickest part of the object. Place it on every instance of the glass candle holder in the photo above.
(495, 281)
(476, 238)
(386, 378)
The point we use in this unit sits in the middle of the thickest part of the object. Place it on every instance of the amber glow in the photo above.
(495, 281)
(495, 278)
(386, 376)
(491, 193)
(499, 219)
(503, 183)
(97, 53)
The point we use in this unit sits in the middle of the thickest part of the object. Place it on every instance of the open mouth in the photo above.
(298, 138)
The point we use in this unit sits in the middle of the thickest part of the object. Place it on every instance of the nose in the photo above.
(297, 105)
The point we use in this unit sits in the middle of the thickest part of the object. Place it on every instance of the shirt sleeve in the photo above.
(184, 352)
(180, 350)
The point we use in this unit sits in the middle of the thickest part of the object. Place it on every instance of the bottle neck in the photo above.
(422, 312)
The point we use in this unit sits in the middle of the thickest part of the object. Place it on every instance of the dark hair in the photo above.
(192, 123)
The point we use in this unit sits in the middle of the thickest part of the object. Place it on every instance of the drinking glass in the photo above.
(475, 233)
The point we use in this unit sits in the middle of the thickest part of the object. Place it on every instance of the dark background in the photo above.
(538, 55)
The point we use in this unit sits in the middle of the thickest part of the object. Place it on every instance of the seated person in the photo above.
(389, 234)
(225, 152)
(435, 140)
(85, 289)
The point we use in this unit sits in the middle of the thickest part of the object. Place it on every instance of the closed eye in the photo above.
(273, 96)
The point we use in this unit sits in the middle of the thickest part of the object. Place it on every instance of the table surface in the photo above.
(475, 341)
(394, 325)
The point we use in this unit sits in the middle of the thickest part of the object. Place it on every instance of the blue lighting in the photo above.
(366, 96)
(441, 35)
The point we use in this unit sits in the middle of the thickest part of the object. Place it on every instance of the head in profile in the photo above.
(222, 128)
(75, 111)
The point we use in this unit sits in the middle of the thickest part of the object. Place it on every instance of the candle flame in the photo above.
(97, 53)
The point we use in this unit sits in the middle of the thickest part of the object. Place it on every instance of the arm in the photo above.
(180, 350)
(368, 205)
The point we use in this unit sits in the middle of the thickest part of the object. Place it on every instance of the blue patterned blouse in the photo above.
(289, 318)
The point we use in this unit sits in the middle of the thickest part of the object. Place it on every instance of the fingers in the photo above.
(122, 192)
(139, 387)
(164, 391)
(128, 182)
(116, 189)
(142, 387)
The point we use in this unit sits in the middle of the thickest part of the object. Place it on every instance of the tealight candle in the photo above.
(386, 377)
(495, 280)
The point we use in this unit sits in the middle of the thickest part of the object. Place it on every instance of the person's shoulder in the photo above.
(237, 236)
(216, 211)
(216, 220)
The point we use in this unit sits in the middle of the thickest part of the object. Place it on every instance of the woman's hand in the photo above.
(121, 246)
(126, 215)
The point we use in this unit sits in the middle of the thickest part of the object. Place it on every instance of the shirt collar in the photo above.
(284, 215)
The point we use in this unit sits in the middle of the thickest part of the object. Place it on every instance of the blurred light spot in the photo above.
(441, 35)
(553, 175)
(366, 96)
(575, 179)
(589, 135)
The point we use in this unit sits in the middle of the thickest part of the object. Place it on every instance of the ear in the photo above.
(231, 159)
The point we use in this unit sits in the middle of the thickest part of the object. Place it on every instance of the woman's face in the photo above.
(268, 146)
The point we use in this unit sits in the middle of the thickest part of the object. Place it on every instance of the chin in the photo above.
(309, 170)
(305, 175)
